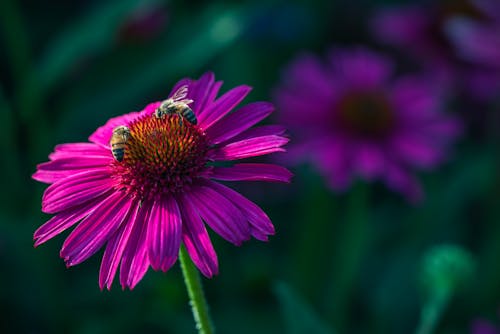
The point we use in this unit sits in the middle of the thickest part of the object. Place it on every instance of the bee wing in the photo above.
(186, 101)
(180, 93)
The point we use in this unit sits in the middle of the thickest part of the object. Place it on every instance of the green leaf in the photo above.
(299, 317)
(95, 31)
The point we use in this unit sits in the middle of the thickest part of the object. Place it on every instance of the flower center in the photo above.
(366, 114)
(162, 156)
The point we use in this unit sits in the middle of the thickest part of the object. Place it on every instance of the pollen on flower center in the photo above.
(162, 156)
(366, 114)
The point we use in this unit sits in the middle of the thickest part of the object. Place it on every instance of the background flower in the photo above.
(431, 34)
(355, 119)
(144, 207)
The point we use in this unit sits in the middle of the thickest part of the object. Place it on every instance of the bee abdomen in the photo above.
(190, 116)
(118, 153)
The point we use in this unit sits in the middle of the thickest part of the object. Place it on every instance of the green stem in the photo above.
(195, 291)
(351, 245)
(431, 312)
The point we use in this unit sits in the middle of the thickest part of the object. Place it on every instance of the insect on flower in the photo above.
(118, 141)
(178, 105)
(146, 183)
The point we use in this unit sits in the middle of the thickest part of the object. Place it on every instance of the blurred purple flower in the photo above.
(144, 24)
(434, 33)
(353, 120)
(483, 327)
(158, 196)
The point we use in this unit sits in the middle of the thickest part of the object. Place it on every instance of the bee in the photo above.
(178, 105)
(118, 140)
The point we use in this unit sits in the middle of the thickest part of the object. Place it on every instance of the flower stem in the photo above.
(431, 312)
(351, 245)
(197, 301)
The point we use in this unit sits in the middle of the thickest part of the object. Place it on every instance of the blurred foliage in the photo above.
(66, 67)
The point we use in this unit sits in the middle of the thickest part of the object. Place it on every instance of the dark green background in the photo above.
(66, 67)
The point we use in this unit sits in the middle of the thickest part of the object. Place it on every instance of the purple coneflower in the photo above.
(354, 120)
(481, 326)
(162, 192)
(426, 32)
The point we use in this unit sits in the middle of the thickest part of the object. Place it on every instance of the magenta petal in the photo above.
(135, 261)
(196, 239)
(73, 150)
(252, 172)
(63, 220)
(260, 224)
(75, 189)
(239, 121)
(222, 106)
(417, 150)
(401, 181)
(164, 233)
(52, 171)
(115, 248)
(370, 161)
(260, 131)
(103, 134)
(203, 91)
(249, 148)
(220, 214)
(96, 229)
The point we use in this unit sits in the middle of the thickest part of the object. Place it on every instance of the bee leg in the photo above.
(180, 119)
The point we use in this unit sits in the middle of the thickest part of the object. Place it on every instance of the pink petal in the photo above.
(260, 131)
(96, 229)
(203, 91)
(103, 134)
(73, 150)
(115, 248)
(75, 189)
(220, 214)
(239, 121)
(369, 160)
(52, 171)
(400, 180)
(164, 233)
(135, 261)
(417, 150)
(196, 239)
(222, 106)
(64, 220)
(360, 68)
(252, 172)
(249, 148)
(260, 224)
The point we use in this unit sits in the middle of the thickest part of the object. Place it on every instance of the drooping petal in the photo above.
(220, 214)
(369, 160)
(135, 260)
(96, 229)
(260, 131)
(164, 233)
(52, 171)
(73, 150)
(75, 189)
(252, 172)
(402, 181)
(260, 224)
(416, 150)
(115, 248)
(249, 148)
(64, 220)
(222, 106)
(196, 239)
(239, 121)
